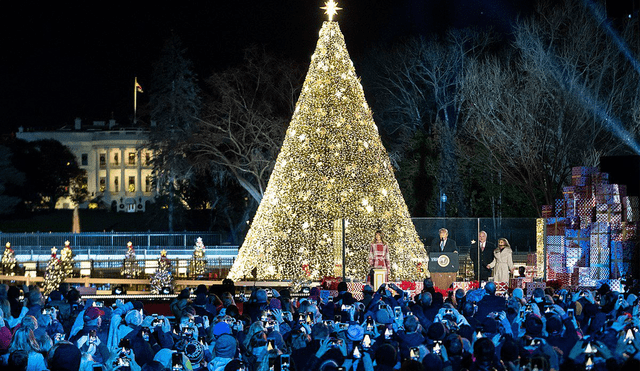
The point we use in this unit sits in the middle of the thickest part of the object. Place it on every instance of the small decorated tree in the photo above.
(53, 275)
(66, 260)
(130, 267)
(162, 278)
(198, 261)
(9, 261)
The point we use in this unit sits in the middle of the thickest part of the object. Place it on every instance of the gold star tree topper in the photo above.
(330, 9)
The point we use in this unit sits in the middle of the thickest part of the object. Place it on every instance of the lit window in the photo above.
(132, 158)
(132, 184)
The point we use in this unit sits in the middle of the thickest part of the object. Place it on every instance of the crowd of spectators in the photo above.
(274, 330)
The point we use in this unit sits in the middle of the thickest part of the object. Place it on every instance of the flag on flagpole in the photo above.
(138, 87)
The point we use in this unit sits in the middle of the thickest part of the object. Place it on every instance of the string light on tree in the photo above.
(130, 267)
(66, 260)
(332, 166)
(198, 262)
(53, 274)
(163, 277)
(8, 260)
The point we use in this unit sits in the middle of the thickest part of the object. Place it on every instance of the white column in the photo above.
(95, 150)
(122, 179)
(107, 189)
(139, 173)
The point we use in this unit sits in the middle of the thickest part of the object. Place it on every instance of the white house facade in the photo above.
(118, 166)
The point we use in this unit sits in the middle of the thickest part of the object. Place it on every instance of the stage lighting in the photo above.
(166, 290)
(118, 290)
(305, 290)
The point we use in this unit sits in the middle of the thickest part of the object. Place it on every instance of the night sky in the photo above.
(61, 62)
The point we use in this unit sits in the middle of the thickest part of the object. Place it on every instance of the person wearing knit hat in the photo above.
(65, 357)
(355, 332)
(133, 318)
(224, 352)
(383, 317)
(195, 352)
(489, 326)
(533, 325)
(275, 303)
(165, 356)
(436, 331)
(221, 328)
(432, 362)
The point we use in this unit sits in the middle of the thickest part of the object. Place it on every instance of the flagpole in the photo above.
(135, 100)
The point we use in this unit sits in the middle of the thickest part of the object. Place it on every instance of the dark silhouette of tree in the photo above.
(10, 180)
(174, 100)
(544, 109)
(244, 119)
(51, 172)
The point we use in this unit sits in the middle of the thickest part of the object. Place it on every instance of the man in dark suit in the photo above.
(443, 243)
(486, 256)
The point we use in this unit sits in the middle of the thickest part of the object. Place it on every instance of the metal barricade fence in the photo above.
(109, 243)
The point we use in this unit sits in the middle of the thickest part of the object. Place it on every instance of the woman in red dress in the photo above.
(379, 253)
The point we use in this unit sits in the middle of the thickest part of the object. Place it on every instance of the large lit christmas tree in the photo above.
(332, 166)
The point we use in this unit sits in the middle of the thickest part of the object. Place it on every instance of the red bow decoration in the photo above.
(406, 285)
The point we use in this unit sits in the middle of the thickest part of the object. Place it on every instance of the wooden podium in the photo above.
(443, 280)
(379, 277)
(443, 267)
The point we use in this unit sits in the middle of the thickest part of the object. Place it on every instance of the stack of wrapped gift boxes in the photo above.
(590, 231)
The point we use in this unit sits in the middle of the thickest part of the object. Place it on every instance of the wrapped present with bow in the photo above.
(555, 244)
(556, 226)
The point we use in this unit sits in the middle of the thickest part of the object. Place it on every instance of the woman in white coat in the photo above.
(502, 263)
